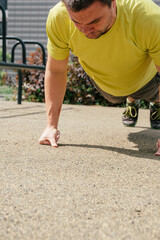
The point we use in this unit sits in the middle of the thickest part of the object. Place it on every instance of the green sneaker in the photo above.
(155, 115)
(130, 115)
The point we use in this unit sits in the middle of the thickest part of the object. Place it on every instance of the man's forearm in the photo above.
(55, 87)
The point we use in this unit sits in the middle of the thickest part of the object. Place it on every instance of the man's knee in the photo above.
(115, 100)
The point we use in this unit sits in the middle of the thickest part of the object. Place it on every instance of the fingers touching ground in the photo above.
(50, 136)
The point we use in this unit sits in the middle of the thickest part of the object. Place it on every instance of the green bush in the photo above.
(33, 80)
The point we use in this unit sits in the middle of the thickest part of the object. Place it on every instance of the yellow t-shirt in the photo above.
(122, 60)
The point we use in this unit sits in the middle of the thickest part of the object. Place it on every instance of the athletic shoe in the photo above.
(155, 115)
(130, 115)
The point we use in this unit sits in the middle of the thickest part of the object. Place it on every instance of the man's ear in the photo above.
(114, 3)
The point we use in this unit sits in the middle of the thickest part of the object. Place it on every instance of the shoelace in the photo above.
(129, 111)
(156, 115)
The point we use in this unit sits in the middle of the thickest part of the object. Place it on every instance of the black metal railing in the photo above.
(12, 65)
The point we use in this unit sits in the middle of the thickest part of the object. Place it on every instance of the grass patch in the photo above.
(6, 90)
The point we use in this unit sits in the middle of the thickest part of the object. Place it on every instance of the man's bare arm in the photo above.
(55, 87)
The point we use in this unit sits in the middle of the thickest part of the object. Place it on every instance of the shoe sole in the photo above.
(155, 128)
(131, 125)
(125, 125)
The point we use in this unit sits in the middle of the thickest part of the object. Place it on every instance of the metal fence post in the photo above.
(3, 27)
(20, 82)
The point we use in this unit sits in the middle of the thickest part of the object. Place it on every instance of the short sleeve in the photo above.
(154, 44)
(58, 33)
(149, 32)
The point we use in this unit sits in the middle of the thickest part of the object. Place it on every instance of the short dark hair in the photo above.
(78, 5)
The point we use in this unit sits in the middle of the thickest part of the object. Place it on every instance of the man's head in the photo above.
(92, 17)
(78, 5)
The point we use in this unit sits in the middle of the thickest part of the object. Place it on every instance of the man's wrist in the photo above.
(52, 121)
(51, 125)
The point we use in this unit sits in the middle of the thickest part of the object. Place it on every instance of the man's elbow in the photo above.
(158, 68)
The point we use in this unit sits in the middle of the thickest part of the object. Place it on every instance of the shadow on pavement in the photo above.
(21, 115)
(145, 144)
(19, 108)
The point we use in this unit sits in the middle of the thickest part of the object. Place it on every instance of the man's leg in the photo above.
(110, 98)
(155, 108)
(155, 115)
(151, 93)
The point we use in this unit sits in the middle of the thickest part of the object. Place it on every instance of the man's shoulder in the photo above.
(59, 10)
(139, 6)
(157, 2)
(140, 13)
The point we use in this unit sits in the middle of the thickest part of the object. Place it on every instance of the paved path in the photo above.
(102, 183)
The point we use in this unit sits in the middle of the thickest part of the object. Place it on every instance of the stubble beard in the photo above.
(99, 33)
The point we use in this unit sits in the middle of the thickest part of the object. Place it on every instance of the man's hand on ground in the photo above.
(158, 148)
(50, 136)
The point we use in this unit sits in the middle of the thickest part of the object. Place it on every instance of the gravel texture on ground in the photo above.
(102, 183)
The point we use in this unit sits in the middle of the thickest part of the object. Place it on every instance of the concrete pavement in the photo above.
(102, 183)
